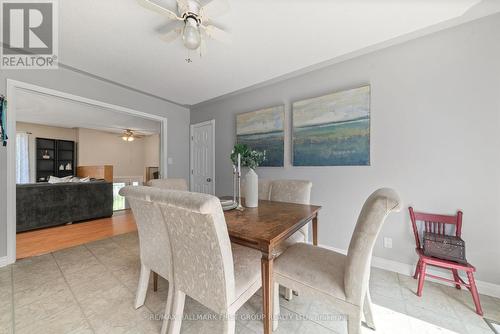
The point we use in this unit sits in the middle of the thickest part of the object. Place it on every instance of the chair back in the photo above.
(264, 189)
(371, 218)
(434, 223)
(291, 191)
(154, 241)
(172, 184)
(201, 249)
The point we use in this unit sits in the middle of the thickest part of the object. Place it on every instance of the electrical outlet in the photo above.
(387, 242)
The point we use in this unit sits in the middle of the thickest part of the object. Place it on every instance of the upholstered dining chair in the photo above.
(170, 183)
(207, 267)
(264, 189)
(291, 191)
(154, 244)
(341, 279)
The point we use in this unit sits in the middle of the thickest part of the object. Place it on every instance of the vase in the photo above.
(251, 189)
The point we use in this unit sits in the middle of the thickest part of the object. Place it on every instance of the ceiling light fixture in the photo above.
(191, 33)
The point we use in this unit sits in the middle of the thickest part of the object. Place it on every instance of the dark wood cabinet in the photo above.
(54, 158)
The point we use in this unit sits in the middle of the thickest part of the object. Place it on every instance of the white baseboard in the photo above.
(485, 288)
(4, 261)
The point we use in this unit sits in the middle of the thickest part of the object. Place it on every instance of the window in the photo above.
(118, 201)
(22, 158)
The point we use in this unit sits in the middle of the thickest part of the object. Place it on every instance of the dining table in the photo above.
(264, 228)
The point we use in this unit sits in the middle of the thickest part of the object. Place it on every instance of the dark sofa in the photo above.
(43, 204)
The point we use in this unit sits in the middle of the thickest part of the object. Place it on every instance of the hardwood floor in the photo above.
(51, 239)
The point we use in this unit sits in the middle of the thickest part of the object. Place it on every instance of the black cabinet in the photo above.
(54, 158)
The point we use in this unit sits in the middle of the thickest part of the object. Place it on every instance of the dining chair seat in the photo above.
(246, 270)
(318, 268)
(292, 240)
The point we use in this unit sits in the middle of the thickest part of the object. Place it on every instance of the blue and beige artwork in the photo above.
(332, 130)
(263, 130)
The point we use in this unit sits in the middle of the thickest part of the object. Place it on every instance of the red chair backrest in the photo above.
(434, 223)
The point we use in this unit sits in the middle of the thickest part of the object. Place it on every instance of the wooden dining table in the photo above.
(264, 228)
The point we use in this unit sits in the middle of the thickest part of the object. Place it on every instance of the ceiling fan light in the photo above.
(130, 138)
(125, 138)
(191, 34)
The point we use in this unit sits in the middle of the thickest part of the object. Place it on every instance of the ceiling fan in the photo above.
(129, 135)
(192, 21)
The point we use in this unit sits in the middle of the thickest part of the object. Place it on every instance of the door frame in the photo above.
(12, 87)
(191, 158)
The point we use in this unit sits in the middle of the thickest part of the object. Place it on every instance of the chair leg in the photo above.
(456, 278)
(155, 281)
(417, 269)
(421, 279)
(288, 294)
(175, 323)
(367, 307)
(142, 287)
(229, 323)
(354, 323)
(475, 294)
(168, 308)
(276, 306)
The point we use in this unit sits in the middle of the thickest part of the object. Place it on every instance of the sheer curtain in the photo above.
(22, 158)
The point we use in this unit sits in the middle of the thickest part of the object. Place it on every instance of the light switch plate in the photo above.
(387, 242)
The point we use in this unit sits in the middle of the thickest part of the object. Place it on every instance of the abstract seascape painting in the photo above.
(264, 130)
(332, 130)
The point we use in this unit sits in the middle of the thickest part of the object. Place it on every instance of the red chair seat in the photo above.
(434, 261)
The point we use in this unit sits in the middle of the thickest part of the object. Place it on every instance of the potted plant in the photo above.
(251, 159)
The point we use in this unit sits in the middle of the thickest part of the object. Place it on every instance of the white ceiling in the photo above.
(49, 110)
(116, 39)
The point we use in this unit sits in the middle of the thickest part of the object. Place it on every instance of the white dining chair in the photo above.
(154, 244)
(207, 267)
(291, 191)
(341, 279)
(170, 183)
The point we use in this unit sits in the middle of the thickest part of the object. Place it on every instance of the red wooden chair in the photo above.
(437, 224)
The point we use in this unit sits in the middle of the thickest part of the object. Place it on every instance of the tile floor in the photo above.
(91, 288)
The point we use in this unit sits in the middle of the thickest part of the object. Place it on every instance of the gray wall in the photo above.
(435, 128)
(80, 84)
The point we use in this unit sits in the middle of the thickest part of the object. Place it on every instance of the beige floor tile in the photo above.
(68, 321)
(431, 317)
(39, 292)
(43, 308)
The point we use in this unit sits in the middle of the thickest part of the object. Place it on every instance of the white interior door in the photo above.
(203, 157)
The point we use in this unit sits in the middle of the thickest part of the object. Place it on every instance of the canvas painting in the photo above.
(264, 130)
(332, 130)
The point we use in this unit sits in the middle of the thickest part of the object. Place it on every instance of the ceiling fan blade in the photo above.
(171, 35)
(215, 8)
(169, 26)
(217, 34)
(159, 9)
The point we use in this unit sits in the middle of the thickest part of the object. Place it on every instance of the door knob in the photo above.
(209, 180)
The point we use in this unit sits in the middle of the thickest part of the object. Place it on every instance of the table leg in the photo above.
(267, 292)
(315, 230)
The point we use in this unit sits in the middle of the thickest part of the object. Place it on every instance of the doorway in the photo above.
(15, 90)
(203, 157)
